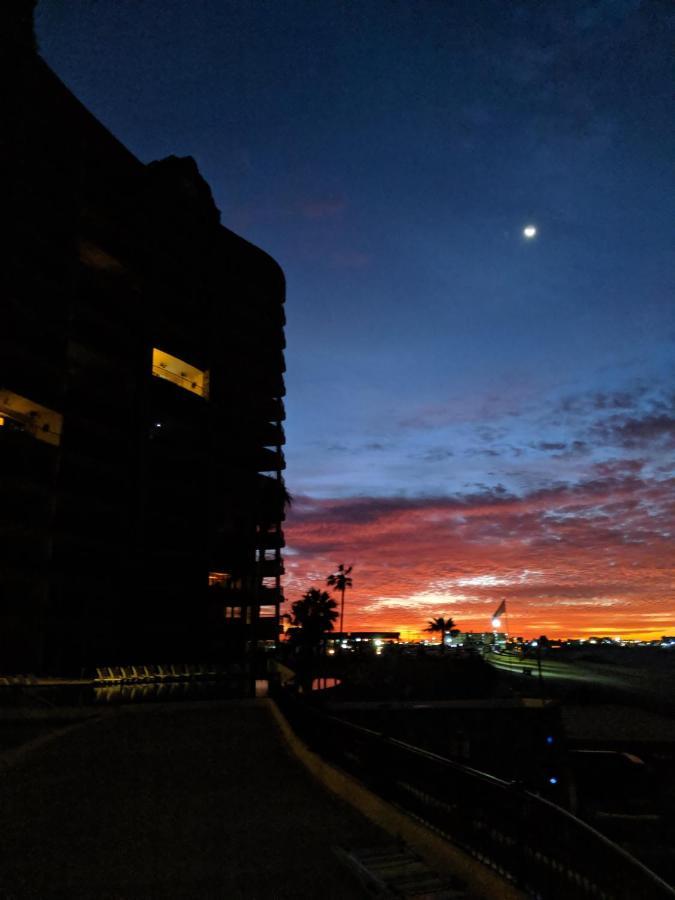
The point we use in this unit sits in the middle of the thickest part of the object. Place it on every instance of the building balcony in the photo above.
(270, 596)
(18, 413)
(181, 373)
(270, 568)
(24, 349)
(23, 456)
(270, 540)
(267, 460)
(271, 499)
(271, 434)
(267, 629)
(269, 408)
(264, 383)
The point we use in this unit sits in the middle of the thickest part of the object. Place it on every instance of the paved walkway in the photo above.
(174, 801)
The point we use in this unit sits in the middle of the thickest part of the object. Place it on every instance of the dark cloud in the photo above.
(549, 446)
(637, 432)
(590, 402)
(612, 480)
(490, 433)
(561, 449)
(576, 448)
(617, 400)
(482, 451)
(436, 454)
(375, 445)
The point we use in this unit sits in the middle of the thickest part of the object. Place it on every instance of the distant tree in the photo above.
(287, 498)
(313, 615)
(274, 501)
(440, 625)
(340, 581)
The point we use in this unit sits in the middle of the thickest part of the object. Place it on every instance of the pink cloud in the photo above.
(598, 555)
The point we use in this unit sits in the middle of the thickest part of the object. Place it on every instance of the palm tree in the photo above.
(441, 625)
(340, 581)
(314, 614)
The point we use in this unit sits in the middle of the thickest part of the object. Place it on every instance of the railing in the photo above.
(189, 384)
(270, 540)
(540, 847)
(269, 460)
(270, 568)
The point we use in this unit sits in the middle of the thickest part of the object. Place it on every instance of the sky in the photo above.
(471, 415)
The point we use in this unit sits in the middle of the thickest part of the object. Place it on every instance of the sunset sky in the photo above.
(471, 415)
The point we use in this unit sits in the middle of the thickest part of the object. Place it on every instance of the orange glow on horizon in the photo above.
(597, 560)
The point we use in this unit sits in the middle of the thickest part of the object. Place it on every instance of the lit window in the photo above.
(181, 373)
(39, 421)
(219, 578)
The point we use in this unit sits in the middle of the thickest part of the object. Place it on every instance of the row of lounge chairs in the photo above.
(151, 691)
(160, 673)
(17, 680)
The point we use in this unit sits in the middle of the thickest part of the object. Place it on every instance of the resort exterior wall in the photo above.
(141, 399)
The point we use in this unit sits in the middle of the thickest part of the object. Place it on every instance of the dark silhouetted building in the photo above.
(141, 386)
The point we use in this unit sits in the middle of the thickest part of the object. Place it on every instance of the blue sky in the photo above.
(388, 154)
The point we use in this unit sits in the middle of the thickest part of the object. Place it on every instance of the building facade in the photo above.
(141, 400)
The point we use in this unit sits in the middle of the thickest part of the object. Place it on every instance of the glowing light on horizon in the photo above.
(408, 575)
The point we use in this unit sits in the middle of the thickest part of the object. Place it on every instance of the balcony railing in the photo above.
(271, 408)
(188, 384)
(270, 568)
(272, 435)
(18, 413)
(270, 540)
(540, 847)
(269, 460)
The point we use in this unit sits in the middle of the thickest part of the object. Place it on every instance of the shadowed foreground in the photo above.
(192, 800)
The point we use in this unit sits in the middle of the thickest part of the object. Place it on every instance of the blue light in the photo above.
(553, 780)
(549, 739)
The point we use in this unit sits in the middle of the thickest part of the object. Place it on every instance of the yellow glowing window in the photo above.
(223, 578)
(181, 373)
(38, 421)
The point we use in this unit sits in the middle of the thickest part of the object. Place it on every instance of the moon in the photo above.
(530, 231)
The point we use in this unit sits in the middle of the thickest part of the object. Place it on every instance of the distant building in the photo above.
(359, 638)
(475, 638)
(373, 635)
(141, 386)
